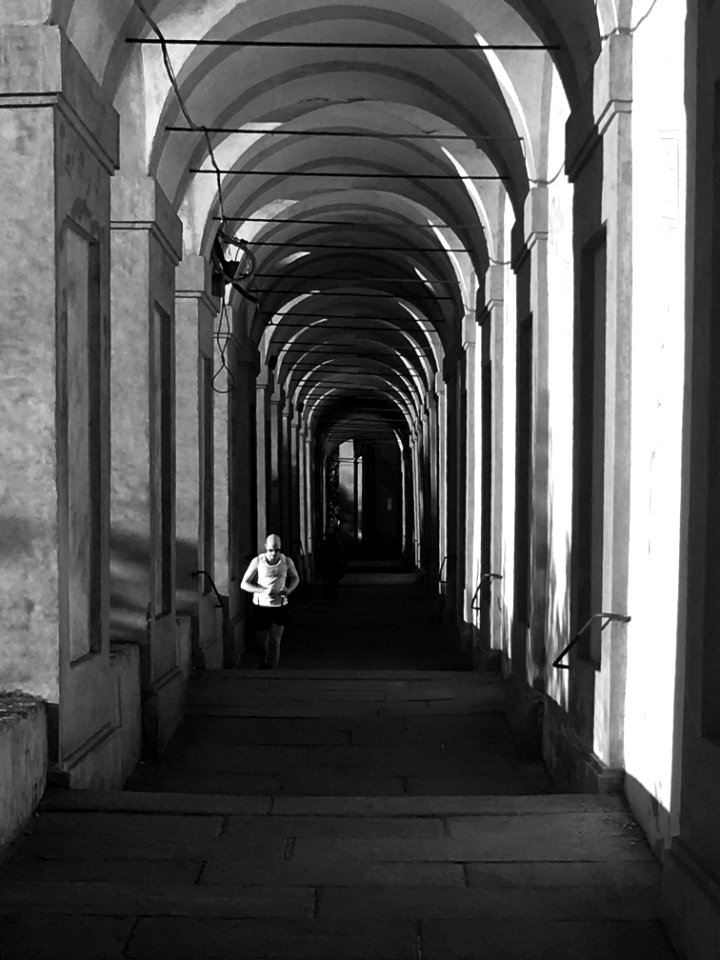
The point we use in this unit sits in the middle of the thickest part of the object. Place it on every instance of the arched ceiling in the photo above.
(368, 179)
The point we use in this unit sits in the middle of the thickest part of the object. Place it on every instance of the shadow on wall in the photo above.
(558, 625)
(130, 558)
(130, 584)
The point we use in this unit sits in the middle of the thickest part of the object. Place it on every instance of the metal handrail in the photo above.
(204, 573)
(608, 617)
(483, 579)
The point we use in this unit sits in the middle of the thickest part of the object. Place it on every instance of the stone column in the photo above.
(613, 116)
(243, 542)
(311, 506)
(58, 152)
(277, 511)
(286, 473)
(196, 311)
(449, 491)
(599, 163)
(221, 471)
(302, 496)
(146, 247)
(536, 246)
(262, 409)
(293, 546)
(472, 469)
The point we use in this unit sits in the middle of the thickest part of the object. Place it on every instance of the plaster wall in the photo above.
(23, 761)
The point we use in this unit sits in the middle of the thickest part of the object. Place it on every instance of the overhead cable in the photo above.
(353, 279)
(357, 294)
(357, 45)
(387, 224)
(230, 269)
(355, 247)
(283, 132)
(354, 176)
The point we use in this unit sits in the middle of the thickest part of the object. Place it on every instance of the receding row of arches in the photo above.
(417, 270)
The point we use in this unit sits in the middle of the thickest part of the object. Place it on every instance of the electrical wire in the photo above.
(230, 270)
(620, 31)
(282, 132)
(357, 45)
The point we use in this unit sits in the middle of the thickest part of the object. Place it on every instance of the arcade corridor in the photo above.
(430, 282)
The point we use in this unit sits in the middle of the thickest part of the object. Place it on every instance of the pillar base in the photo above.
(207, 634)
(163, 705)
(690, 904)
(524, 709)
(108, 758)
(574, 768)
(484, 658)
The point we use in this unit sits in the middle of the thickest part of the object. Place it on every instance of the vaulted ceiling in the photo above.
(373, 152)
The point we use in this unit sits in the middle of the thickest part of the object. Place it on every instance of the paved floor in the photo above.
(328, 814)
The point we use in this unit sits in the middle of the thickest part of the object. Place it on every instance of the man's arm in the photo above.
(251, 572)
(293, 578)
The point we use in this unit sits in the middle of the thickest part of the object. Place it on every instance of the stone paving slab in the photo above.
(313, 826)
(125, 801)
(618, 874)
(64, 938)
(132, 827)
(92, 870)
(504, 847)
(148, 846)
(194, 939)
(177, 777)
(265, 730)
(592, 824)
(272, 762)
(412, 759)
(510, 904)
(334, 873)
(429, 676)
(351, 783)
(102, 898)
(443, 805)
(242, 757)
(508, 781)
(543, 940)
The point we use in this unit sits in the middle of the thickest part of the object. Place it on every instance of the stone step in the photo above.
(127, 801)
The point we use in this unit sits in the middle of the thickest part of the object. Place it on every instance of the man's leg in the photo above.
(262, 638)
(273, 655)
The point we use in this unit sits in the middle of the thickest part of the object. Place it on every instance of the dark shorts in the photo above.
(264, 617)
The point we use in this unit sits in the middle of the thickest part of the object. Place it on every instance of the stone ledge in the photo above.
(23, 760)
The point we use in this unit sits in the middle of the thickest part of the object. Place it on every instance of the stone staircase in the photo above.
(334, 815)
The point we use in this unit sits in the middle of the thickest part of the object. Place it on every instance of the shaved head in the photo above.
(273, 542)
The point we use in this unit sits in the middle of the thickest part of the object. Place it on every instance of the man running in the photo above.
(271, 578)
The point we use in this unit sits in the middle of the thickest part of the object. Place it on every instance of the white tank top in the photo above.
(271, 575)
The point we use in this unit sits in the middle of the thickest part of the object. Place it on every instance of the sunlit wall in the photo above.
(505, 461)
(560, 398)
(659, 147)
